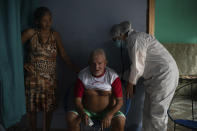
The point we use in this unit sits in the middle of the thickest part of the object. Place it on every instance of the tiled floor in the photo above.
(181, 108)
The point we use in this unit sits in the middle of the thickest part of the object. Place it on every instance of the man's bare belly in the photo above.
(96, 100)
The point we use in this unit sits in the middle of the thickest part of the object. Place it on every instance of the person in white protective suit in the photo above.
(159, 70)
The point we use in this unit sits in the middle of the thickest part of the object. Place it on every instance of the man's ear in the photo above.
(124, 36)
(106, 62)
(121, 36)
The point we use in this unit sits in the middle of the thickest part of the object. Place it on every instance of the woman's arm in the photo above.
(26, 35)
(63, 53)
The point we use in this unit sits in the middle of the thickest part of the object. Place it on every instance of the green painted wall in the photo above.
(176, 21)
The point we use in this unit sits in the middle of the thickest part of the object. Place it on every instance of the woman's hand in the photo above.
(29, 68)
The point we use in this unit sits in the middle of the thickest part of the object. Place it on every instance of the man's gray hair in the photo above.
(95, 52)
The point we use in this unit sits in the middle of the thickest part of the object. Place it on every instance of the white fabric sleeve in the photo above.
(138, 57)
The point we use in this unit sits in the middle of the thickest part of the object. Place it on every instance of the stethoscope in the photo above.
(128, 101)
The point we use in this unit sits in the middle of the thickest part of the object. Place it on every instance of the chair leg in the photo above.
(174, 126)
(192, 103)
(81, 127)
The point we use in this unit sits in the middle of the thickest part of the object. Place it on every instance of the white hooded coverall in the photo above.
(154, 63)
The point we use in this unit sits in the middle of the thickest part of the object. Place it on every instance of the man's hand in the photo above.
(106, 122)
(129, 90)
(85, 119)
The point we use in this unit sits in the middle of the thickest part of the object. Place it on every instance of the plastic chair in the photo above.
(191, 124)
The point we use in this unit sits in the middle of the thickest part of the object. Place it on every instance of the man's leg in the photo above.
(73, 121)
(118, 123)
(31, 116)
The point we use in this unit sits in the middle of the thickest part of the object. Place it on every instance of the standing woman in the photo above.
(40, 78)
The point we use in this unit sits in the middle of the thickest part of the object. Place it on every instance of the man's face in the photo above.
(97, 65)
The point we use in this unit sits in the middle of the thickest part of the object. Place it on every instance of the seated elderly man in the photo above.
(98, 95)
